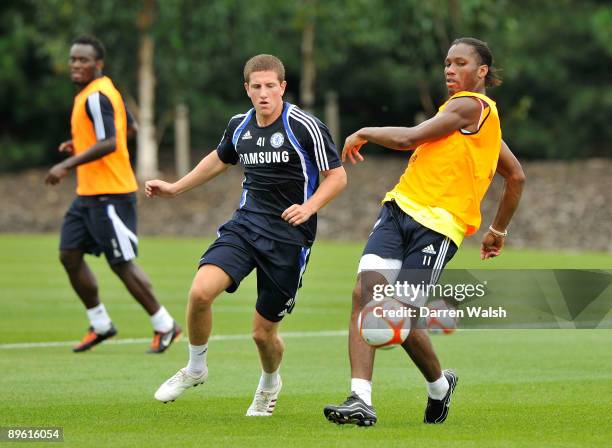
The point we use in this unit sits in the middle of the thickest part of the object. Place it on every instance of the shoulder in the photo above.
(469, 102)
(97, 95)
(106, 85)
(304, 124)
(98, 102)
(468, 108)
(238, 119)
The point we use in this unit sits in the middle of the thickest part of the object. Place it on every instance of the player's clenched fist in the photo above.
(297, 214)
(159, 188)
(56, 174)
(491, 246)
(66, 147)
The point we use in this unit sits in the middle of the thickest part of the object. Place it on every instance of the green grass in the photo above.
(517, 388)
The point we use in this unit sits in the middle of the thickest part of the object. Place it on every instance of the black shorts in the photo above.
(405, 250)
(280, 267)
(102, 224)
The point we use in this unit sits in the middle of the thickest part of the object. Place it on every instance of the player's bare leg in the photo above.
(81, 278)
(419, 348)
(138, 284)
(85, 285)
(209, 282)
(440, 384)
(165, 328)
(357, 408)
(271, 348)
(269, 343)
(361, 355)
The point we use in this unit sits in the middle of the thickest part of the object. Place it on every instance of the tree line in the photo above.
(382, 59)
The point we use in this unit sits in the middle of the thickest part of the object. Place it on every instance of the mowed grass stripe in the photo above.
(213, 338)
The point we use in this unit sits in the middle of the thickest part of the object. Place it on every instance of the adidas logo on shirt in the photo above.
(247, 135)
(429, 250)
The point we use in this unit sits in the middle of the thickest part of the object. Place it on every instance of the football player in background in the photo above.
(102, 218)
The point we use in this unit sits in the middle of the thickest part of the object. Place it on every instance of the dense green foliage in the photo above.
(383, 57)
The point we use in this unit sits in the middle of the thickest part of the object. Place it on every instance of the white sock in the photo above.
(363, 389)
(162, 321)
(268, 381)
(437, 390)
(99, 319)
(197, 359)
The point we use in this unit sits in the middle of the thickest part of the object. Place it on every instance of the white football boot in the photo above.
(177, 384)
(264, 401)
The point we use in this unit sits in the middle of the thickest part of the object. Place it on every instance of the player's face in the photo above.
(462, 70)
(266, 93)
(83, 64)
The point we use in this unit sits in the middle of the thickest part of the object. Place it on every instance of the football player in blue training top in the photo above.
(282, 150)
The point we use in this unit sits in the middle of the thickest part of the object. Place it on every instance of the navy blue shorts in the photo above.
(280, 267)
(404, 250)
(102, 224)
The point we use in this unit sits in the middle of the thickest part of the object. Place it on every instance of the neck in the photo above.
(266, 120)
(82, 86)
(482, 91)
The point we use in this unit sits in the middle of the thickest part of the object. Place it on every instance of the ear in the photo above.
(482, 71)
(99, 65)
(246, 87)
(283, 86)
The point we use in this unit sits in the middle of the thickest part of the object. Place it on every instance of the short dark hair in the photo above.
(94, 42)
(486, 58)
(263, 63)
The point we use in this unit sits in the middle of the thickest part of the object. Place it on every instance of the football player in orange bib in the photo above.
(424, 219)
(102, 218)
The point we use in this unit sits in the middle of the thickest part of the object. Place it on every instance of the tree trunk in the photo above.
(425, 97)
(332, 115)
(147, 166)
(456, 16)
(182, 145)
(307, 81)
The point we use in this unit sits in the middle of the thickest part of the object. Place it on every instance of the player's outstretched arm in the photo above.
(459, 114)
(96, 151)
(510, 169)
(209, 167)
(333, 183)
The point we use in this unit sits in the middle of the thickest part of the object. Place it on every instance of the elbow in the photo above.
(110, 146)
(403, 142)
(336, 179)
(341, 180)
(516, 179)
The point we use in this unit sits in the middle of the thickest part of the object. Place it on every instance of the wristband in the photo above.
(497, 232)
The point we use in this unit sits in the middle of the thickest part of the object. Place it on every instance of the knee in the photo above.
(416, 336)
(128, 272)
(119, 269)
(263, 336)
(201, 296)
(70, 259)
(362, 294)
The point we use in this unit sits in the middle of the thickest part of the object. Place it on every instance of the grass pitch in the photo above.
(516, 388)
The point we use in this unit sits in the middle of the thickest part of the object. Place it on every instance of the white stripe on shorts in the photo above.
(387, 267)
(438, 265)
(124, 235)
